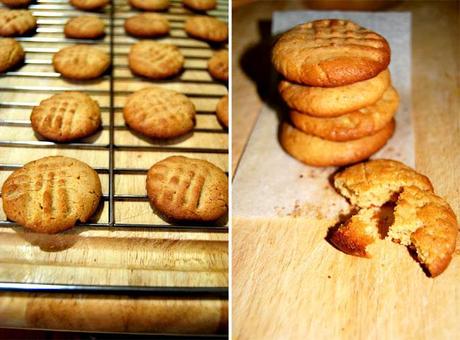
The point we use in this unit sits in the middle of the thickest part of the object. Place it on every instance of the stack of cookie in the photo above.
(339, 92)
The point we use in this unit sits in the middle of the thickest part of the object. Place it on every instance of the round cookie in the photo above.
(159, 113)
(16, 22)
(207, 28)
(11, 54)
(16, 3)
(316, 151)
(51, 194)
(188, 189)
(150, 5)
(334, 101)
(222, 110)
(89, 5)
(81, 62)
(155, 60)
(200, 5)
(147, 25)
(330, 53)
(84, 27)
(218, 65)
(354, 125)
(66, 116)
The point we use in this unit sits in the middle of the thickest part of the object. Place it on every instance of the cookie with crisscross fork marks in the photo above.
(150, 5)
(51, 194)
(147, 25)
(188, 189)
(81, 62)
(206, 28)
(84, 27)
(155, 60)
(16, 22)
(11, 53)
(330, 52)
(218, 65)
(222, 110)
(200, 5)
(66, 116)
(159, 113)
(89, 5)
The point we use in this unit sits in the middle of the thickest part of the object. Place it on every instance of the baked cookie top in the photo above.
(159, 113)
(16, 3)
(16, 22)
(357, 124)
(334, 101)
(11, 53)
(150, 5)
(147, 25)
(218, 65)
(200, 5)
(51, 194)
(84, 27)
(222, 110)
(89, 5)
(207, 28)
(66, 116)
(81, 62)
(188, 189)
(155, 60)
(330, 52)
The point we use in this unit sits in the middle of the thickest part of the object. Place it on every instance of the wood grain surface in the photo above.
(104, 255)
(288, 281)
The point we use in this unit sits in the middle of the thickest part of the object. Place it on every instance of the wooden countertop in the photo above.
(299, 286)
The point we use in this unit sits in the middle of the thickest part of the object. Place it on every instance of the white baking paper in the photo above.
(269, 183)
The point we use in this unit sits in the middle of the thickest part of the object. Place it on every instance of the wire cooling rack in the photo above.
(21, 90)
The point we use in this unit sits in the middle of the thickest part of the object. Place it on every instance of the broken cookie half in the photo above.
(421, 220)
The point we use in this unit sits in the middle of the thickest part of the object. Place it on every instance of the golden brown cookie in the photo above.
(316, 151)
(354, 125)
(330, 52)
(84, 27)
(200, 5)
(66, 116)
(427, 223)
(207, 28)
(222, 110)
(159, 113)
(16, 22)
(334, 101)
(16, 3)
(89, 5)
(218, 65)
(376, 182)
(11, 54)
(150, 5)
(155, 60)
(51, 194)
(81, 62)
(188, 189)
(147, 25)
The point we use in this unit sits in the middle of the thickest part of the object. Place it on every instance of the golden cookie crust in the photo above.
(159, 113)
(354, 125)
(334, 101)
(376, 182)
(147, 25)
(81, 62)
(51, 194)
(84, 27)
(89, 5)
(16, 3)
(188, 189)
(155, 60)
(222, 110)
(316, 151)
(207, 28)
(218, 65)
(200, 5)
(11, 54)
(150, 5)
(66, 116)
(16, 22)
(329, 53)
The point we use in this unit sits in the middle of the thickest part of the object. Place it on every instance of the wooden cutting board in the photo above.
(100, 254)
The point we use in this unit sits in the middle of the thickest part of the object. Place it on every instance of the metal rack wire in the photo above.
(51, 16)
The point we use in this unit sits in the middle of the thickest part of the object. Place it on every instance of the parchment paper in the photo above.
(269, 182)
